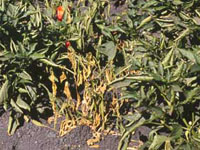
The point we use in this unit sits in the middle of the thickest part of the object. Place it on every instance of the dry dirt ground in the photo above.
(32, 137)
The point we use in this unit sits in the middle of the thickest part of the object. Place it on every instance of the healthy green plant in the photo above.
(26, 58)
(164, 94)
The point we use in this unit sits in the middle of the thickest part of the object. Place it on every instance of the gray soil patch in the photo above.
(32, 137)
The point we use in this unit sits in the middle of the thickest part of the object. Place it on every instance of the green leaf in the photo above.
(25, 75)
(22, 90)
(22, 104)
(14, 105)
(132, 117)
(191, 94)
(157, 142)
(189, 81)
(177, 2)
(150, 3)
(128, 131)
(4, 92)
(179, 70)
(167, 58)
(195, 68)
(157, 111)
(120, 84)
(32, 92)
(129, 95)
(105, 30)
(176, 131)
(116, 28)
(36, 56)
(144, 22)
(13, 124)
(141, 78)
(51, 63)
(108, 49)
(6, 56)
(188, 54)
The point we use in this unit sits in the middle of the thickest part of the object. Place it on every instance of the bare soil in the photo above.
(32, 137)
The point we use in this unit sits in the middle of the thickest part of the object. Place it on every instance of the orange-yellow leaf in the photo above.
(62, 77)
(67, 91)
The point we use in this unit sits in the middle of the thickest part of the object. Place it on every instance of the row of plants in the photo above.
(136, 68)
(165, 92)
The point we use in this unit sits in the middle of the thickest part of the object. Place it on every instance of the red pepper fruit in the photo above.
(59, 13)
(67, 44)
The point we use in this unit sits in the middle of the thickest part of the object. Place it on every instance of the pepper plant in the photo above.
(161, 81)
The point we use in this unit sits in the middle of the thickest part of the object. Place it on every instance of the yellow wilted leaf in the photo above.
(85, 74)
(90, 59)
(66, 126)
(108, 76)
(103, 89)
(69, 19)
(54, 87)
(53, 105)
(116, 106)
(37, 123)
(96, 138)
(63, 107)
(97, 121)
(88, 71)
(78, 99)
(52, 76)
(136, 72)
(79, 79)
(84, 121)
(168, 145)
(84, 108)
(50, 120)
(71, 57)
(67, 91)
(62, 77)
(111, 132)
(26, 118)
